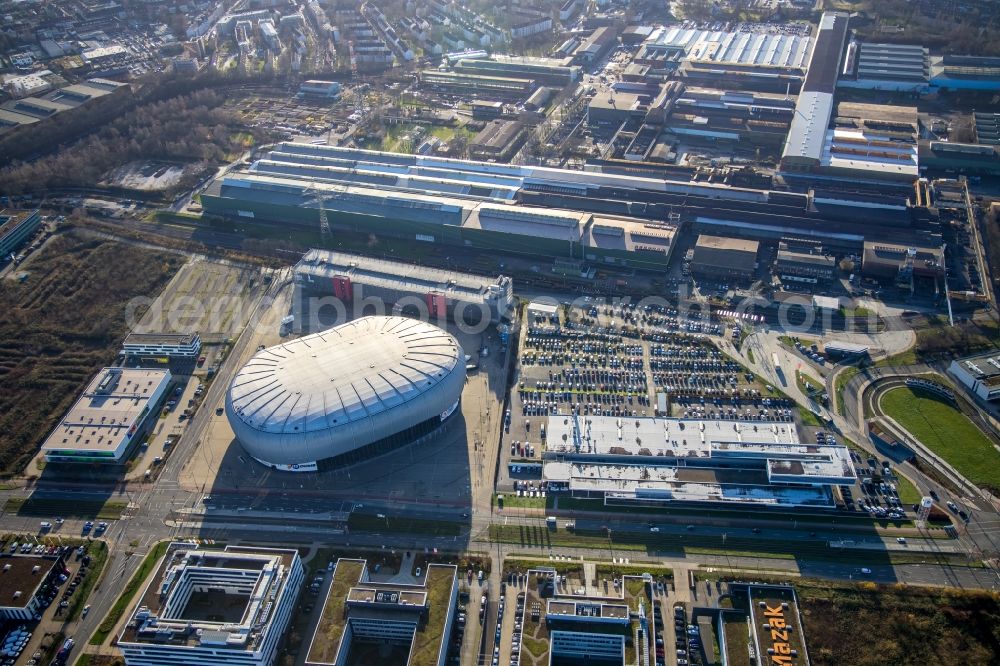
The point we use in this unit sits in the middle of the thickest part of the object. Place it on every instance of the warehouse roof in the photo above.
(108, 411)
(397, 275)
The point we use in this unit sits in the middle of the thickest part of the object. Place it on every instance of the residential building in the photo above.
(531, 26)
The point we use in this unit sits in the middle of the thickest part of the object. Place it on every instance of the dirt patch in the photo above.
(871, 625)
(147, 176)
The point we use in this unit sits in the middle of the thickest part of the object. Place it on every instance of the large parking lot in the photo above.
(623, 360)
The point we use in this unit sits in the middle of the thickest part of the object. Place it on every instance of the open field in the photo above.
(401, 138)
(868, 624)
(946, 431)
(60, 326)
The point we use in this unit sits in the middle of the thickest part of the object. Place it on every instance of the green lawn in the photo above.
(840, 383)
(946, 431)
(908, 493)
(808, 418)
(523, 502)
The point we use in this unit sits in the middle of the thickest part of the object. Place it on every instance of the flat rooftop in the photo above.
(109, 411)
(659, 437)
(19, 580)
(397, 275)
(166, 339)
(769, 603)
(693, 459)
(982, 366)
(9, 219)
(210, 597)
(664, 483)
(351, 594)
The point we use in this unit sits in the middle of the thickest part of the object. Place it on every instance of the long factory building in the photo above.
(434, 200)
(593, 215)
(656, 461)
(355, 279)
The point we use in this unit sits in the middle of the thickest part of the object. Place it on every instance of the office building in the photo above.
(171, 345)
(658, 461)
(209, 607)
(361, 615)
(608, 626)
(109, 418)
(980, 374)
(22, 578)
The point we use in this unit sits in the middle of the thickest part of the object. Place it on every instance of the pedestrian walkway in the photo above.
(590, 579)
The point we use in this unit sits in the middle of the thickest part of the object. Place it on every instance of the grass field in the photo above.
(840, 383)
(60, 326)
(512, 501)
(947, 432)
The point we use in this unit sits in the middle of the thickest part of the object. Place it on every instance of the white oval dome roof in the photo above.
(347, 373)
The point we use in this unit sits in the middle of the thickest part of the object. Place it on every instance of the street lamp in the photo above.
(611, 548)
